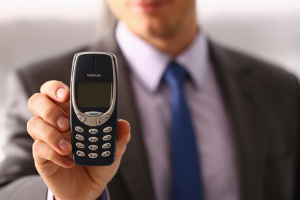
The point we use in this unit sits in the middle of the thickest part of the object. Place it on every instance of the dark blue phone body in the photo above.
(94, 105)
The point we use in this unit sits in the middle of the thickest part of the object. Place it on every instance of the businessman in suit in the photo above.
(241, 113)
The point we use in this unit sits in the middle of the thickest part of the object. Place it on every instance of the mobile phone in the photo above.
(94, 108)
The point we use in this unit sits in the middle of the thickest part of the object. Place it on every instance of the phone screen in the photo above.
(93, 94)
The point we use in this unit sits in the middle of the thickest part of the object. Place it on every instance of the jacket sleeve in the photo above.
(18, 176)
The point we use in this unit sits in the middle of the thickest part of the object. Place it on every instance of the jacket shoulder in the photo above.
(255, 69)
(57, 68)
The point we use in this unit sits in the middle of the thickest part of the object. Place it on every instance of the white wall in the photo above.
(269, 29)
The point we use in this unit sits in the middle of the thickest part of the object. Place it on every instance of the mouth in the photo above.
(149, 6)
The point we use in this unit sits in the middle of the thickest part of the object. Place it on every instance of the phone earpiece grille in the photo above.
(94, 58)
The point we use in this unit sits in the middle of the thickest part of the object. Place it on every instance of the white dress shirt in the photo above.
(210, 119)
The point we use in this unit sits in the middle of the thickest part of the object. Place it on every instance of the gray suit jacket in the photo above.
(262, 101)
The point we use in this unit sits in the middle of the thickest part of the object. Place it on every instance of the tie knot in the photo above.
(175, 75)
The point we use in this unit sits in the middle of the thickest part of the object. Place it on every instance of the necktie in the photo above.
(186, 175)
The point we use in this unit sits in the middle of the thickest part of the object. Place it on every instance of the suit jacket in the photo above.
(261, 100)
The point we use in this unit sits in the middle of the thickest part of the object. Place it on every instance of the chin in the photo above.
(155, 27)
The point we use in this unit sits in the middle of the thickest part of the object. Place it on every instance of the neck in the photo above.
(178, 41)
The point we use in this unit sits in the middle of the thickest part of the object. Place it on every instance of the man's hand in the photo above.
(50, 129)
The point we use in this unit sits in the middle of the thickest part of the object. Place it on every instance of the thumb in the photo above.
(123, 138)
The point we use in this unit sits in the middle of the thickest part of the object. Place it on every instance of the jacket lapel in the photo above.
(246, 122)
(134, 167)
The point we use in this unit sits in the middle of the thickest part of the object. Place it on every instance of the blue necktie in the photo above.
(186, 175)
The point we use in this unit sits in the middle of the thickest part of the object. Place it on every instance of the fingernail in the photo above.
(63, 122)
(61, 93)
(68, 161)
(64, 144)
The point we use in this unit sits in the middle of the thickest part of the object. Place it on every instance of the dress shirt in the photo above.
(213, 134)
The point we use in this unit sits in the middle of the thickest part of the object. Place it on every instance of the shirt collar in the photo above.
(195, 59)
(149, 63)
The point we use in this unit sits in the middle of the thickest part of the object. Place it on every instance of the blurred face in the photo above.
(154, 18)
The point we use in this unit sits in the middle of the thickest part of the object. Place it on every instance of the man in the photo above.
(241, 117)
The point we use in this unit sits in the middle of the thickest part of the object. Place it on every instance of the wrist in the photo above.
(89, 197)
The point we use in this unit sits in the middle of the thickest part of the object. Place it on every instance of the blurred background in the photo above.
(33, 30)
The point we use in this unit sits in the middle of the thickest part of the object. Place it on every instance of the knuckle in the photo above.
(44, 85)
(50, 86)
(32, 123)
(48, 112)
(48, 134)
(120, 153)
(37, 148)
(51, 155)
(41, 150)
(33, 99)
(53, 85)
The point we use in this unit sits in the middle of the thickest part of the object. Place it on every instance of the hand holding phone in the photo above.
(52, 146)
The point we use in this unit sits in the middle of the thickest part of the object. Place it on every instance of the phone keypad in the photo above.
(93, 147)
(79, 129)
(80, 145)
(81, 118)
(80, 153)
(107, 129)
(102, 120)
(105, 153)
(79, 137)
(93, 131)
(106, 146)
(93, 139)
(92, 150)
(106, 137)
(93, 113)
(93, 155)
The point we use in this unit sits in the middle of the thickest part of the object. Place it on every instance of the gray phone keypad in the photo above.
(79, 129)
(93, 131)
(102, 120)
(80, 153)
(106, 146)
(93, 147)
(93, 155)
(80, 145)
(93, 139)
(107, 129)
(105, 153)
(93, 113)
(81, 118)
(79, 137)
(106, 137)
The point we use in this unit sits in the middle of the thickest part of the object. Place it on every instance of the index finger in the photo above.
(56, 90)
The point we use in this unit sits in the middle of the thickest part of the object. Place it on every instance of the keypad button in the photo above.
(93, 139)
(93, 147)
(80, 153)
(79, 137)
(107, 129)
(93, 113)
(79, 129)
(93, 155)
(93, 131)
(106, 145)
(80, 145)
(105, 153)
(107, 137)
(102, 120)
(81, 118)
